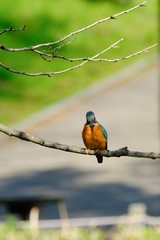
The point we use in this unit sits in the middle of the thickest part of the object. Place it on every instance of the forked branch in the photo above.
(84, 61)
(73, 33)
(53, 51)
(11, 29)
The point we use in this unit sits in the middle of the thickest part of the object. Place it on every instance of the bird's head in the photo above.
(90, 118)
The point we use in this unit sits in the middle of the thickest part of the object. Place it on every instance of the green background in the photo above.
(49, 20)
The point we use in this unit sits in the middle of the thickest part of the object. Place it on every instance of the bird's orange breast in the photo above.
(93, 137)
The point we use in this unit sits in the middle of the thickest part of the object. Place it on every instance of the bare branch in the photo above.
(84, 59)
(108, 60)
(11, 29)
(49, 74)
(31, 48)
(52, 53)
(74, 149)
(123, 58)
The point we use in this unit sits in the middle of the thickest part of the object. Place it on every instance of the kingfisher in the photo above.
(94, 135)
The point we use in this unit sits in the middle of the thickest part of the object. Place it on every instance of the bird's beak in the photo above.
(91, 123)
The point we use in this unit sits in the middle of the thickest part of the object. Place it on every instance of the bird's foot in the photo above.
(88, 151)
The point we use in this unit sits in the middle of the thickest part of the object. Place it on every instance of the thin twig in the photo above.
(85, 60)
(11, 29)
(49, 74)
(31, 48)
(74, 149)
(125, 57)
(105, 59)
(49, 55)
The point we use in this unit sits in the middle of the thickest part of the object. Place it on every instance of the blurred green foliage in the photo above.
(48, 21)
(133, 232)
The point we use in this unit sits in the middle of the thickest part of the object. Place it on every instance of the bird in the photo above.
(94, 135)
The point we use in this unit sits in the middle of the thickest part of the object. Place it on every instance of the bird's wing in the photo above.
(104, 132)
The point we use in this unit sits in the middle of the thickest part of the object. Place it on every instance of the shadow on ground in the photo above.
(83, 200)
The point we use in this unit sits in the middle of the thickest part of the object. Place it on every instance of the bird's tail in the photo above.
(99, 158)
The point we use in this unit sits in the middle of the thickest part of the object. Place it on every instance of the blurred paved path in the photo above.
(127, 105)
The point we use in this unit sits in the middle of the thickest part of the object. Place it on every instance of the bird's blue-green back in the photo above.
(105, 134)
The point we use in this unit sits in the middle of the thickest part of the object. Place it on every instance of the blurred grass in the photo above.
(10, 232)
(48, 21)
